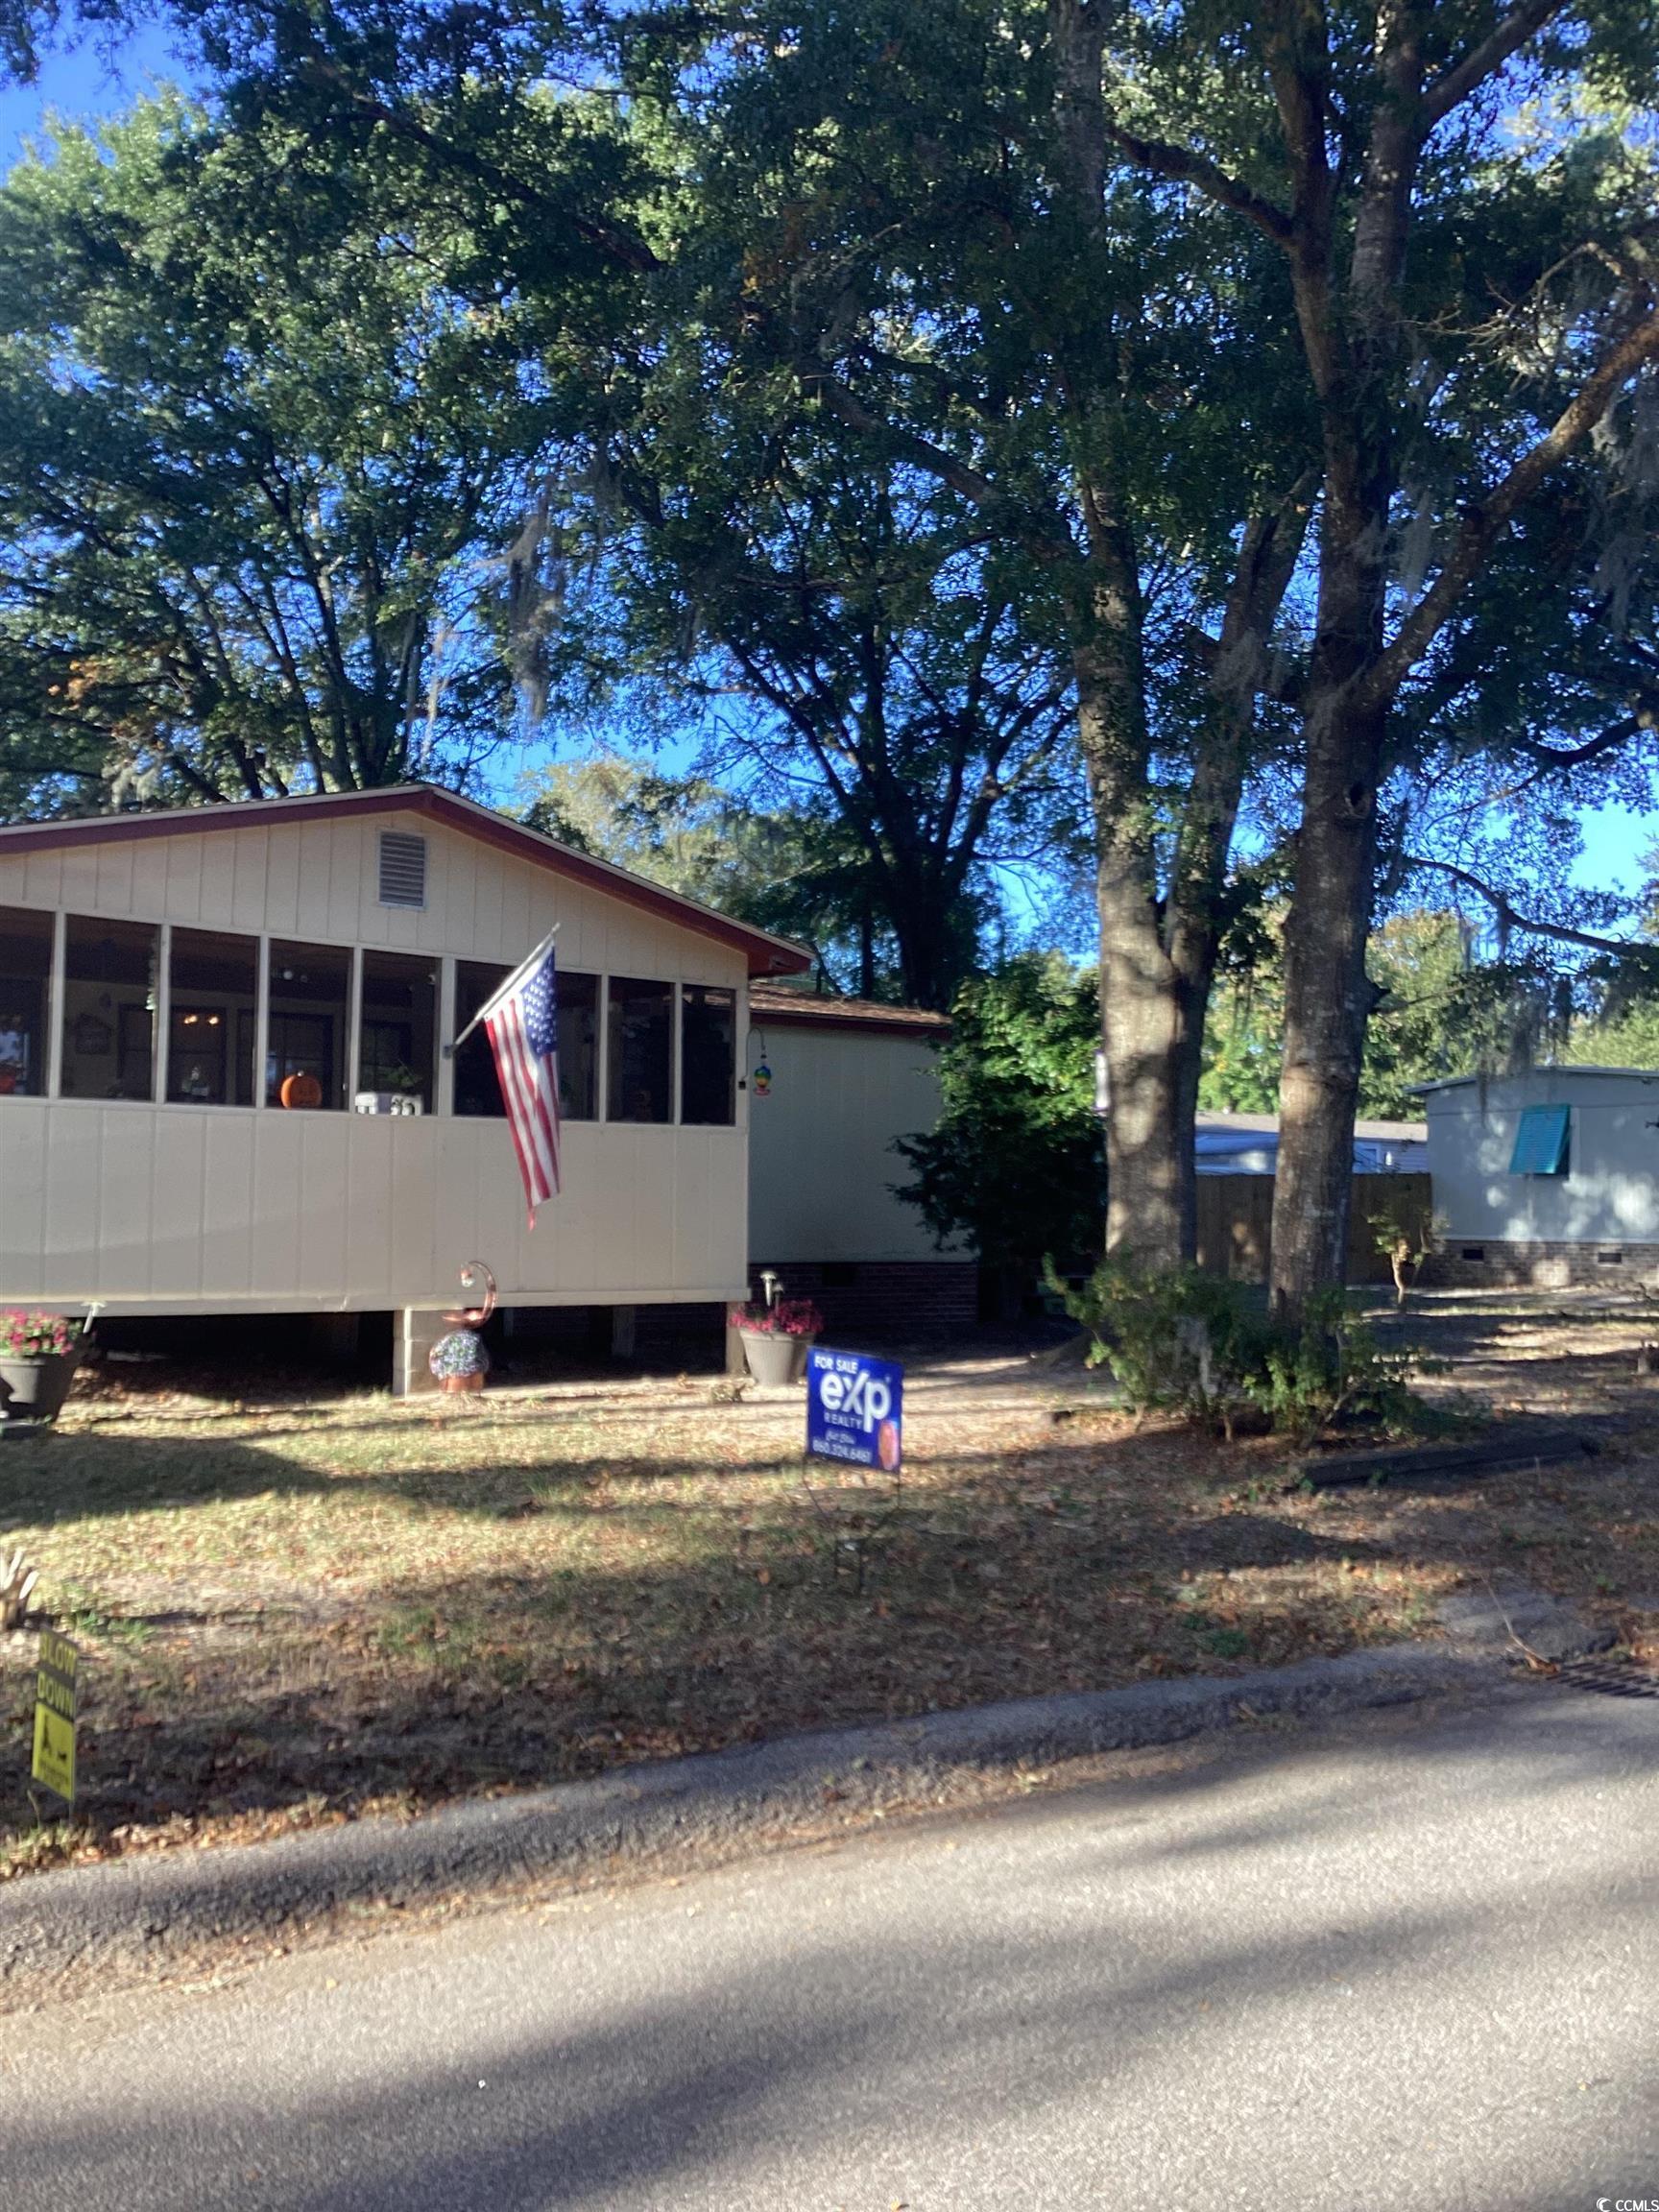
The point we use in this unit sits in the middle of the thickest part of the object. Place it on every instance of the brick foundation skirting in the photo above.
(1473, 1263)
(863, 1302)
(883, 1301)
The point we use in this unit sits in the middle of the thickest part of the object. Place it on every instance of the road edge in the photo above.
(149, 1905)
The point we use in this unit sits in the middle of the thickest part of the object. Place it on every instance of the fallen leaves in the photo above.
(303, 1613)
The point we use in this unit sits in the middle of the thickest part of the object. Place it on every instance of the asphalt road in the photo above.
(1415, 1963)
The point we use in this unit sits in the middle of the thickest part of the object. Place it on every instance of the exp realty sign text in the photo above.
(855, 1409)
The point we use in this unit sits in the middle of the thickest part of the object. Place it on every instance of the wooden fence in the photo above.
(1236, 1221)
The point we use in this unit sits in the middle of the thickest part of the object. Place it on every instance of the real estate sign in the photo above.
(855, 1409)
(54, 1696)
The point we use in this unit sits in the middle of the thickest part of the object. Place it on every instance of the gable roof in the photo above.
(766, 954)
(777, 1003)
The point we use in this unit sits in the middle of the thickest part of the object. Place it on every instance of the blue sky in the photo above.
(87, 83)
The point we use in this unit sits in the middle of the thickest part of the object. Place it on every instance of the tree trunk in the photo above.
(1149, 1200)
(1139, 1022)
(934, 950)
(866, 954)
(1197, 899)
(1326, 1002)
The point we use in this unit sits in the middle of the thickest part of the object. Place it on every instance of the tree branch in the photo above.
(1484, 522)
(1453, 86)
(615, 244)
(1529, 925)
(1186, 167)
(822, 384)
(1552, 758)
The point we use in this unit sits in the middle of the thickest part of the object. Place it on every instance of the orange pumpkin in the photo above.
(301, 1090)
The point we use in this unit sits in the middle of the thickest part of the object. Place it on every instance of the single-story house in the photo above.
(223, 1087)
(1248, 1145)
(832, 1082)
(1548, 1177)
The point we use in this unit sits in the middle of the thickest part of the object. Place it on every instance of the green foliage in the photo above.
(799, 871)
(1017, 1162)
(1404, 1232)
(258, 469)
(1628, 1038)
(1201, 1346)
(1440, 1011)
(1178, 1340)
(681, 831)
(1329, 1369)
(1620, 1026)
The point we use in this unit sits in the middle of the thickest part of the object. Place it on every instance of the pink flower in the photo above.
(37, 1335)
(789, 1317)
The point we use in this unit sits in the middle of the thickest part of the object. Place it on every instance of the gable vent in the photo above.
(402, 869)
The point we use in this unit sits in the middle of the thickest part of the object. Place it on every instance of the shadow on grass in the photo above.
(550, 1619)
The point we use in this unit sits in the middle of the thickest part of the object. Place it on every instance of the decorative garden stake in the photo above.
(16, 1588)
(461, 1360)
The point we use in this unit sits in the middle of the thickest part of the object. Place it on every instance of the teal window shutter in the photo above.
(1541, 1140)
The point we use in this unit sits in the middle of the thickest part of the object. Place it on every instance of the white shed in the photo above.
(192, 1002)
(833, 1082)
(1549, 1177)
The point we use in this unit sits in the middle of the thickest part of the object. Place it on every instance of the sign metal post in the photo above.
(856, 1417)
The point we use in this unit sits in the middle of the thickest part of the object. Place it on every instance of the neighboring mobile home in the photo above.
(1248, 1145)
(223, 1087)
(1549, 1177)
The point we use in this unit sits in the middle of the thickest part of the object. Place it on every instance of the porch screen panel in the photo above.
(477, 1087)
(578, 1046)
(707, 1055)
(398, 1049)
(212, 999)
(25, 990)
(642, 1049)
(309, 1019)
(109, 977)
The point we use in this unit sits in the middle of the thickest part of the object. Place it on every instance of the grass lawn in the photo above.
(296, 1611)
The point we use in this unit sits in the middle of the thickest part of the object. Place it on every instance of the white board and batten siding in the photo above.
(822, 1161)
(181, 1207)
(1610, 1191)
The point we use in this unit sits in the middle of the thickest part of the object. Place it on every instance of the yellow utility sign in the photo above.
(54, 1714)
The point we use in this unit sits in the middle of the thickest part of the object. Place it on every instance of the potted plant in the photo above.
(776, 1338)
(38, 1354)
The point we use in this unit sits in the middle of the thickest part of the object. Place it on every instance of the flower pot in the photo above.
(34, 1389)
(775, 1358)
(457, 1385)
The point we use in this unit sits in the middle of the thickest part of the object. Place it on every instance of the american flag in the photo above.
(522, 1025)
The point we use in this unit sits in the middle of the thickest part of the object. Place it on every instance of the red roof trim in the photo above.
(766, 956)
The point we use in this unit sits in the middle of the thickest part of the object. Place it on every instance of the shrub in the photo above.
(1405, 1235)
(1330, 1369)
(1185, 1342)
